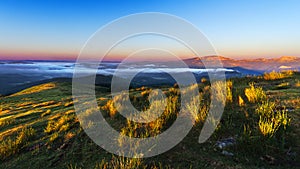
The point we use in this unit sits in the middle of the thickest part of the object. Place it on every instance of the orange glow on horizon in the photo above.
(7, 55)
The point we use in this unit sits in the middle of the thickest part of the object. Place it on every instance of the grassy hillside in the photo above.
(39, 128)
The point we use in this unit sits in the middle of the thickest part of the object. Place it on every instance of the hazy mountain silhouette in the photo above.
(260, 64)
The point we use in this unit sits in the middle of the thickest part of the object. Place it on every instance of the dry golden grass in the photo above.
(10, 132)
(266, 109)
(255, 94)
(43, 104)
(56, 116)
(141, 88)
(10, 146)
(156, 126)
(53, 105)
(62, 124)
(102, 98)
(268, 127)
(241, 101)
(26, 103)
(4, 111)
(277, 75)
(36, 89)
(29, 112)
(68, 104)
(119, 163)
(47, 112)
(25, 135)
(6, 121)
(70, 112)
(145, 92)
(109, 106)
(203, 80)
(53, 137)
(220, 91)
(297, 84)
(68, 136)
(229, 86)
(271, 119)
(193, 108)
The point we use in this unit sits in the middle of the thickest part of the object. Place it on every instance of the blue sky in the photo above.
(57, 29)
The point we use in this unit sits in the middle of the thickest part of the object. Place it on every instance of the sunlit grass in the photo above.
(277, 75)
(36, 89)
(11, 146)
(62, 124)
(266, 109)
(271, 118)
(47, 112)
(220, 92)
(297, 84)
(110, 108)
(53, 137)
(229, 86)
(254, 94)
(241, 101)
(120, 163)
(262, 127)
(6, 121)
(269, 125)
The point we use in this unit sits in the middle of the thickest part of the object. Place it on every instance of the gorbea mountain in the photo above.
(260, 64)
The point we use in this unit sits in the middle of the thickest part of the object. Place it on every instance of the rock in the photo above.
(226, 153)
(225, 143)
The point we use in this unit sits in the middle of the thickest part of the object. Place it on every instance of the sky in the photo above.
(58, 29)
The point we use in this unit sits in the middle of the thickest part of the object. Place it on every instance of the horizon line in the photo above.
(119, 60)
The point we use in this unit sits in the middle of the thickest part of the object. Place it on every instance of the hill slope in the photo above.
(39, 129)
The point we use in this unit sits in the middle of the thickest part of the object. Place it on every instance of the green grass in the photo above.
(39, 128)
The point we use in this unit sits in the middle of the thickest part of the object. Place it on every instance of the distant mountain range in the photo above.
(260, 64)
(18, 75)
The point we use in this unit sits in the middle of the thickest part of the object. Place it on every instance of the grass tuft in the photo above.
(254, 94)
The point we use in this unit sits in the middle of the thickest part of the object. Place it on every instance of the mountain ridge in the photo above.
(258, 64)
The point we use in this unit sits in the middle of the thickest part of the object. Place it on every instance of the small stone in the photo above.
(225, 142)
(226, 153)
